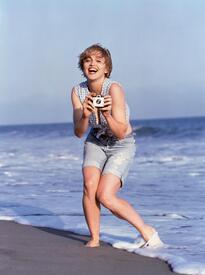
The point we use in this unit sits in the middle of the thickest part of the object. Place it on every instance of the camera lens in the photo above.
(98, 101)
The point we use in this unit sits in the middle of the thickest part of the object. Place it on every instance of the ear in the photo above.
(106, 71)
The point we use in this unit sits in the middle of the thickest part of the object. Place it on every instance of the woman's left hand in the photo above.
(106, 110)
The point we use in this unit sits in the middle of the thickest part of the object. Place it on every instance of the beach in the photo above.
(29, 250)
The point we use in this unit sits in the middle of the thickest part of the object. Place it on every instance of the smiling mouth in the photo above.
(92, 70)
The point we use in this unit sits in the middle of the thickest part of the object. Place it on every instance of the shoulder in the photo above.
(79, 87)
(114, 84)
(76, 98)
(116, 89)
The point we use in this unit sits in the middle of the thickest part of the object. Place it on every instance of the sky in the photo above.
(157, 47)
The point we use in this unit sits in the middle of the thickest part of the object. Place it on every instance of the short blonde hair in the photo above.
(96, 48)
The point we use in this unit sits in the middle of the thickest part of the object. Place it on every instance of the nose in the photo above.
(92, 62)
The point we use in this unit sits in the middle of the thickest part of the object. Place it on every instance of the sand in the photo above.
(29, 250)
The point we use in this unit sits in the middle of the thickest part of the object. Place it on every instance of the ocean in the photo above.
(41, 184)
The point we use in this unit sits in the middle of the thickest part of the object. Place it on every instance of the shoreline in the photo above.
(26, 249)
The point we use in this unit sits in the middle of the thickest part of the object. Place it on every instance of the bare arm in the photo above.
(81, 113)
(117, 119)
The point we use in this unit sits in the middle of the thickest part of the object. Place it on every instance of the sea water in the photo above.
(41, 184)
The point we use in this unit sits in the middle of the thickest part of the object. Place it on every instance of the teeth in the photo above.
(92, 70)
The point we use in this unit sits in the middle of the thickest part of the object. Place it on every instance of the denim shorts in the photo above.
(114, 156)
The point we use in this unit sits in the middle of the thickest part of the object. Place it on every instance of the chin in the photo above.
(91, 77)
(94, 77)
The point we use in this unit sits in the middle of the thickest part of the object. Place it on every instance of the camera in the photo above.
(98, 101)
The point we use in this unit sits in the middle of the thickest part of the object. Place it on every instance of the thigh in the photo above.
(109, 185)
(119, 161)
(94, 156)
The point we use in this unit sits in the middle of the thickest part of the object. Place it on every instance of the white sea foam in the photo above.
(11, 154)
(19, 183)
(179, 160)
(6, 218)
(167, 159)
(175, 216)
(56, 191)
(194, 174)
(9, 174)
(66, 157)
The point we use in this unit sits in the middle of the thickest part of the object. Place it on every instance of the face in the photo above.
(94, 66)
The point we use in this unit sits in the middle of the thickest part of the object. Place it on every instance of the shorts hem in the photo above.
(93, 164)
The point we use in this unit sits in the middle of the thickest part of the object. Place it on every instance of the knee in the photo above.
(105, 199)
(89, 188)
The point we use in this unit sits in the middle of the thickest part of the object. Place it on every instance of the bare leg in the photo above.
(106, 193)
(90, 204)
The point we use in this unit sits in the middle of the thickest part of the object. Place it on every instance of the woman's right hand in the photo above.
(88, 107)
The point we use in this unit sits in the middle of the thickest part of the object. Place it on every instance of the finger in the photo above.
(89, 97)
(89, 107)
(107, 104)
(107, 96)
(106, 109)
(88, 102)
(108, 100)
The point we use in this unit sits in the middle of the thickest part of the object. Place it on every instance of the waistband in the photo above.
(104, 138)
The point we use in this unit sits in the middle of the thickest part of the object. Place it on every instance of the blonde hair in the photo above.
(96, 48)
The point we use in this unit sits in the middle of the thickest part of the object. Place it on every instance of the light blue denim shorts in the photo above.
(113, 157)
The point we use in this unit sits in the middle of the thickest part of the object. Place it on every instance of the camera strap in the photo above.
(98, 114)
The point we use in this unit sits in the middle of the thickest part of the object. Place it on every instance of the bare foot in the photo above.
(92, 243)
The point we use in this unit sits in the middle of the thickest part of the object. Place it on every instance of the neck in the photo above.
(95, 86)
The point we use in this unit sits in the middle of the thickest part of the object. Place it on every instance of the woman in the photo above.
(110, 146)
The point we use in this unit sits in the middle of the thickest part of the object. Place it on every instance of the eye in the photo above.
(87, 60)
(99, 61)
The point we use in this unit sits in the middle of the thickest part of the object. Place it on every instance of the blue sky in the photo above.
(157, 48)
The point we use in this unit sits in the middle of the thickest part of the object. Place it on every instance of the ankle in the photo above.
(95, 238)
(148, 232)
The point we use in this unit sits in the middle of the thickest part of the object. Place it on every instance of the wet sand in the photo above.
(28, 250)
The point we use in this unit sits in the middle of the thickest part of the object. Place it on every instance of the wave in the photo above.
(190, 127)
(154, 131)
